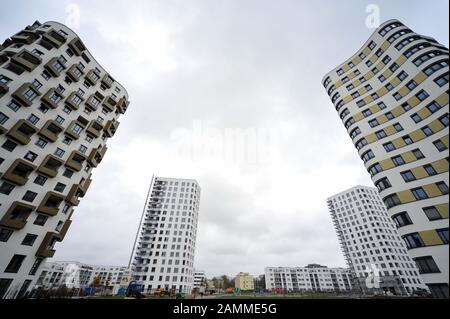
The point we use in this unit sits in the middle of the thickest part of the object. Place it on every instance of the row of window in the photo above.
(418, 193)
(414, 240)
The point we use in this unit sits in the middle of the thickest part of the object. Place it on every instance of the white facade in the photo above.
(165, 248)
(309, 278)
(392, 97)
(80, 276)
(369, 238)
(58, 109)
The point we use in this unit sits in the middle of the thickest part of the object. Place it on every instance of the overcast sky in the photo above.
(194, 70)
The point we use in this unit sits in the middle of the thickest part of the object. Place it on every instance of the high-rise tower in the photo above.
(163, 255)
(58, 108)
(392, 97)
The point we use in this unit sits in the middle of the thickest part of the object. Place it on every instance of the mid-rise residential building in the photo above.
(164, 251)
(244, 281)
(392, 97)
(369, 239)
(78, 275)
(58, 108)
(200, 280)
(310, 278)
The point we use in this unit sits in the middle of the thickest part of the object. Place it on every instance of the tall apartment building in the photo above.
(392, 97)
(310, 278)
(200, 280)
(164, 251)
(369, 238)
(78, 275)
(58, 108)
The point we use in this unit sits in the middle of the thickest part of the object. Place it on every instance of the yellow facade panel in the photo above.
(395, 82)
(385, 45)
(444, 140)
(375, 108)
(442, 99)
(382, 119)
(346, 68)
(358, 117)
(430, 238)
(399, 143)
(406, 196)
(402, 59)
(398, 111)
(420, 77)
(387, 164)
(404, 91)
(390, 130)
(347, 99)
(436, 126)
(414, 101)
(383, 91)
(441, 166)
(432, 190)
(417, 135)
(371, 138)
(357, 60)
(443, 210)
(409, 157)
(368, 99)
(419, 172)
(424, 113)
(367, 51)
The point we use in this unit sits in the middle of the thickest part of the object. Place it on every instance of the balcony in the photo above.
(46, 249)
(52, 39)
(25, 37)
(96, 156)
(26, 88)
(2, 130)
(110, 103)
(74, 129)
(64, 229)
(50, 166)
(122, 105)
(52, 98)
(74, 101)
(95, 128)
(92, 77)
(74, 194)
(107, 81)
(94, 101)
(85, 185)
(51, 130)
(19, 172)
(50, 204)
(55, 67)
(17, 215)
(26, 60)
(111, 128)
(22, 131)
(77, 46)
(75, 161)
(74, 73)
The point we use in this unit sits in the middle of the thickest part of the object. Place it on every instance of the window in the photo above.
(375, 169)
(407, 139)
(36, 84)
(402, 219)
(402, 75)
(15, 263)
(83, 149)
(430, 170)
(41, 143)
(419, 193)
(389, 86)
(46, 75)
(440, 145)
(422, 95)
(68, 173)
(443, 234)
(4, 80)
(67, 110)
(391, 201)
(389, 115)
(382, 105)
(416, 118)
(3, 118)
(373, 123)
(89, 138)
(29, 240)
(397, 96)
(40, 220)
(59, 119)
(398, 160)
(35, 266)
(444, 120)
(383, 184)
(375, 96)
(9, 145)
(360, 103)
(427, 131)
(30, 94)
(5, 234)
(29, 196)
(361, 143)
(398, 127)
(432, 213)
(368, 87)
(442, 80)
(382, 78)
(30, 156)
(442, 187)
(367, 156)
(33, 119)
(13, 105)
(6, 188)
(59, 152)
(340, 72)
(394, 67)
(408, 176)
(389, 147)
(387, 59)
(367, 113)
(411, 85)
(426, 265)
(67, 140)
(76, 128)
(381, 134)
(60, 187)
(40, 180)
(413, 241)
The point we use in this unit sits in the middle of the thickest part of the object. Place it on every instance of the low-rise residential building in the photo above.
(310, 278)
(244, 281)
(200, 280)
